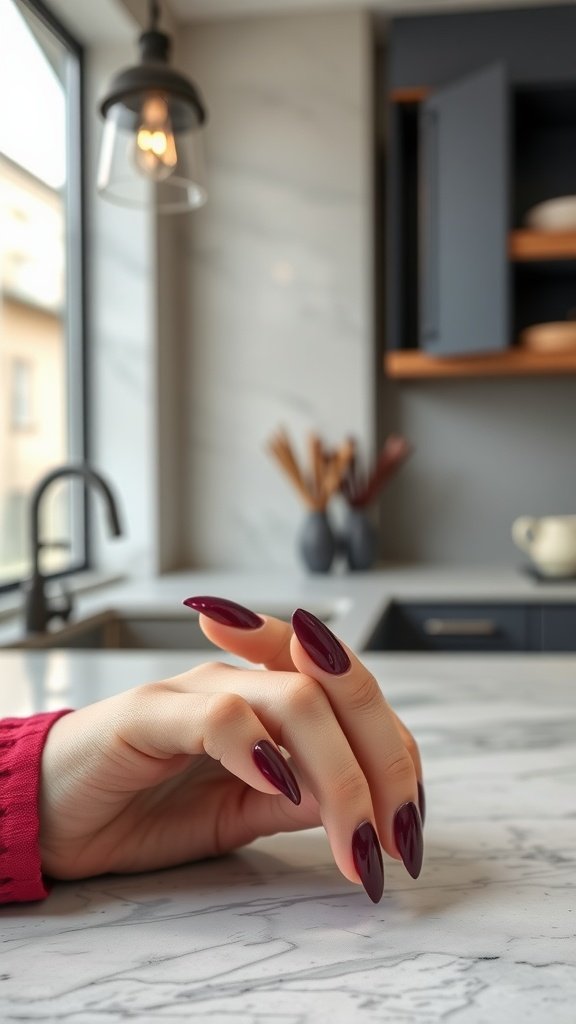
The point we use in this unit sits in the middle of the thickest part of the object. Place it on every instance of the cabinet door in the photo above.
(559, 627)
(464, 290)
(452, 627)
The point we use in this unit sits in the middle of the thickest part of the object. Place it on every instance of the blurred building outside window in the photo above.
(21, 396)
(40, 285)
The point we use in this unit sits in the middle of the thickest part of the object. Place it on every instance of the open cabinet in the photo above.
(468, 161)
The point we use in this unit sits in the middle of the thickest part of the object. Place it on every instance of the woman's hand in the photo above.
(190, 767)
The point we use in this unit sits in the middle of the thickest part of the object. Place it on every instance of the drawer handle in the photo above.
(460, 627)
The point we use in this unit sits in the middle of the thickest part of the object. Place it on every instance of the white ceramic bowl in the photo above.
(556, 336)
(553, 215)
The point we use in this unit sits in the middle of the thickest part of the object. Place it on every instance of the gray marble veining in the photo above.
(488, 932)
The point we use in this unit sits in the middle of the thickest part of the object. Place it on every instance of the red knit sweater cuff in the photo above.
(21, 743)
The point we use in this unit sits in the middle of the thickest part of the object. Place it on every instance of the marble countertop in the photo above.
(352, 602)
(487, 933)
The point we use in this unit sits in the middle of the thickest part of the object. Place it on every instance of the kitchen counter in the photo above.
(487, 933)
(353, 603)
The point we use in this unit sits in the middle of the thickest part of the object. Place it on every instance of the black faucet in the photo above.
(37, 611)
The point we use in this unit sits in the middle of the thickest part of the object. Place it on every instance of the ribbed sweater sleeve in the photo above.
(21, 743)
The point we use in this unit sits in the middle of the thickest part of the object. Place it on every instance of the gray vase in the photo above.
(360, 540)
(317, 543)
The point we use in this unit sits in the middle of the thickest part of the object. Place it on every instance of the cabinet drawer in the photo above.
(558, 626)
(454, 627)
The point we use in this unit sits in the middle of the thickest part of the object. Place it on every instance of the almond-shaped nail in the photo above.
(368, 860)
(227, 613)
(276, 769)
(408, 836)
(422, 802)
(320, 643)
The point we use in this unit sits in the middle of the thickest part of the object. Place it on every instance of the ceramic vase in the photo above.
(360, 542)
(317, 543)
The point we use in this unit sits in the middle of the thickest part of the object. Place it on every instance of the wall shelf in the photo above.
(410, 94)
(415, 365)
(542, 245)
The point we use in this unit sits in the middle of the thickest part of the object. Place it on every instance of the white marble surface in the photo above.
(486, 934)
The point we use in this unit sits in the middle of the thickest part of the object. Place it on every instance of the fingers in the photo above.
(295, 710)
(330, 771)
(265, 640)
(413, 750)
(257, 638)
(384, 748)
(373, 732)
(162, 722)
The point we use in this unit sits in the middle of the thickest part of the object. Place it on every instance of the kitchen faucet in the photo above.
(37, 611)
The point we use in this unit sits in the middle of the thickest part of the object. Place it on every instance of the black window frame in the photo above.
(76, 272)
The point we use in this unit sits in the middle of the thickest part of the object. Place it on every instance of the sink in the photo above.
(118, 630)
(114, 630)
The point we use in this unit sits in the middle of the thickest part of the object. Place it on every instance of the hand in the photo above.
(165, 773)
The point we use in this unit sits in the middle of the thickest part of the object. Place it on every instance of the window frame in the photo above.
(76, 275)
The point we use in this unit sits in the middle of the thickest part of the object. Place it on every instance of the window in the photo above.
(41, 285)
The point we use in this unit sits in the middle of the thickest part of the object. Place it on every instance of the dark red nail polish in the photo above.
(408, 836)
(422, 802)
(368, 860)
(227, 613)
(275, 768)
(320, 643)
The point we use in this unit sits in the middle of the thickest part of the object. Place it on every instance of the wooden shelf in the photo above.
(410, 94)
(414, 365)
(542, 245)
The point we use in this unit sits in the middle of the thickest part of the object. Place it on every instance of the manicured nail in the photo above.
(408, 836)
(227, 613)
(320, 643)
(276, 769)
(422, 802)
(368, 860)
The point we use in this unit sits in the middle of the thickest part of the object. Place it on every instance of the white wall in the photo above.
(275, 272)
(486, 452)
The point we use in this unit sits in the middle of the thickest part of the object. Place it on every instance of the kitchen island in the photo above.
(487, 933)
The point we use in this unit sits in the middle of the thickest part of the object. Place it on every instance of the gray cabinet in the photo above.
(481, 128)
(464, 216)
(558, 626)
(457, 626)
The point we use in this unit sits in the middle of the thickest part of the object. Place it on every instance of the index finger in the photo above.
(260, 639)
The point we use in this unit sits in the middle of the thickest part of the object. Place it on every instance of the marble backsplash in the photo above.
(275, 272)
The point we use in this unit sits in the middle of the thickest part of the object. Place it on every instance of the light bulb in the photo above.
(155, 148)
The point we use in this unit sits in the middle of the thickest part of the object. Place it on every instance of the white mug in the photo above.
(550, 541)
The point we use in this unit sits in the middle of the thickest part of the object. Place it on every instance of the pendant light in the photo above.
(152, 142)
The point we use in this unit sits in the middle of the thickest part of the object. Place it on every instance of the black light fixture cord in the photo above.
(154, 14)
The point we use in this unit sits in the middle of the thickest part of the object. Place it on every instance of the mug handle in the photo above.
(523, 530)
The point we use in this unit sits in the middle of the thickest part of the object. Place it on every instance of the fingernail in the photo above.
(275, 768)
(422, 802)
(320, 643)
(227, 613)
(408, 836)
(368, 860)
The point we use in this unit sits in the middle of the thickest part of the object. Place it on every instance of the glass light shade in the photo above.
(152, 150)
